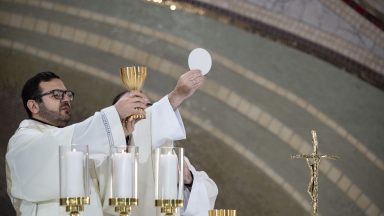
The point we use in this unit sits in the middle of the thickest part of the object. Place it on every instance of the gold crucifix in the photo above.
(313, 161)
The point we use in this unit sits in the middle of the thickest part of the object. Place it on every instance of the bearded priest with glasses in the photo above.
(32, 158)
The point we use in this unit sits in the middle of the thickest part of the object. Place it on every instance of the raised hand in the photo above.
(127, 104)
(186, 86)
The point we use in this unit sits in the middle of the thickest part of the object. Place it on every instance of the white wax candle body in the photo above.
(123, 168)
(168, 176)
(74, 179)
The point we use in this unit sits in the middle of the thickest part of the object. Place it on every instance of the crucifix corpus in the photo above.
(313, 161)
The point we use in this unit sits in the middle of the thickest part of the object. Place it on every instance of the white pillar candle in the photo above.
(123, 165)
(168, 173)
(74, 181)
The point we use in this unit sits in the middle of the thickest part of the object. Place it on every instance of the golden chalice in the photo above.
(133, 78)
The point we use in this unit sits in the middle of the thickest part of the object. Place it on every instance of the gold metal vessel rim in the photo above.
(74, 201)
(123, 201)
(169, 202)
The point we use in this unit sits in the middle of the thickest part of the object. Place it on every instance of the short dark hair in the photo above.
(31, 87)
(118, 97)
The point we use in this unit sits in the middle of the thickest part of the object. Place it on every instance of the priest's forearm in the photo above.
(166, 123)
(175, 100)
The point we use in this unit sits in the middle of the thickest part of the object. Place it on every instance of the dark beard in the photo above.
(56, 118)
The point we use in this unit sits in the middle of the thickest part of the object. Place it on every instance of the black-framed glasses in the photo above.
(58, 94)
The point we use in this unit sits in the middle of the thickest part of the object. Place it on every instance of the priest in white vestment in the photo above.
(32, 156)
(162, 124)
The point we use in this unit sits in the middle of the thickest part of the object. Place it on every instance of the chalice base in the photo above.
(137, 116)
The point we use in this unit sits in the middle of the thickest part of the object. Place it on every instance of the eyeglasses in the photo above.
(58, 94)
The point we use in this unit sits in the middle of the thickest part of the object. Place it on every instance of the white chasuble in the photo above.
(162, 123)
(33, 160)
(202, 197)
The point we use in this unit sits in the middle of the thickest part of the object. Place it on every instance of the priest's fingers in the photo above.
(185, 87)
(138, 94)
(124, 124)
(136, 108)
(127, 107)
(196, 74)
(138, 105)
(138, 102)
(128, 125)
(190, 75)
(198, 81)
(146, 99)
(138, 112)
(131, 103)
(194, 77)
(193, 74)
(134, 95)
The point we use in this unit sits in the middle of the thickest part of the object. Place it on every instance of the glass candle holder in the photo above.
(124, 178)
(169, 182)
(74, 178)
